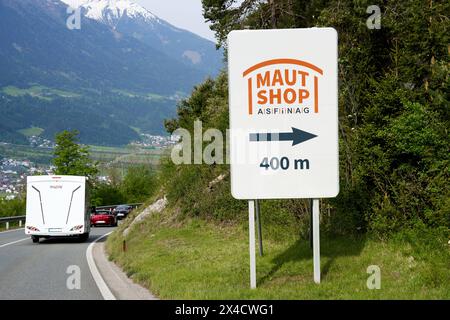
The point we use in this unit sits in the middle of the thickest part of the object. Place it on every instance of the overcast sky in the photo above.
(185, 14)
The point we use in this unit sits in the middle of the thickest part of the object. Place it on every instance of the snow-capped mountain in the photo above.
(35, 32)
(111, 11)
(129, 18)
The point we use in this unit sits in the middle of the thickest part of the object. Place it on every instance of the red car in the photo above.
(102, 218)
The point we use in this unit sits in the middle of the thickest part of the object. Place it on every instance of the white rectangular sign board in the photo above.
(283, 113)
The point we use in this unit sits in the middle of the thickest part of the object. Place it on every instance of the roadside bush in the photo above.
(409, 182)
(139, 183)
(347, 212)
(105, 194)
(14, 207)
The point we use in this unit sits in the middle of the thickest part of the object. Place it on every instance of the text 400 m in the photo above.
(284, 163)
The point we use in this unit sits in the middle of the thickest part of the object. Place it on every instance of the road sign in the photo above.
(283, 113)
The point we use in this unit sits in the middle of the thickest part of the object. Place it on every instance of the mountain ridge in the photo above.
(110, 74)
(130, 18)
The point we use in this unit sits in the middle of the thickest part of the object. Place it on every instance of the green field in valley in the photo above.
(115, 155)
(36, 91)
(22, 152)
(32, 131)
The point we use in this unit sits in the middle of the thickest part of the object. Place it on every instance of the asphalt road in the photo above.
(39, 271)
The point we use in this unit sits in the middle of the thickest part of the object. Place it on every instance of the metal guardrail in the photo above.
(133, 205)
(7, 220)
(12, 219)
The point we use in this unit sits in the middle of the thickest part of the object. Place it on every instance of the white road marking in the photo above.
(1, 232)
(104, 290)
(10, 243)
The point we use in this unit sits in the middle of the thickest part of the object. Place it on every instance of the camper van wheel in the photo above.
(35, 239)
(84, 237)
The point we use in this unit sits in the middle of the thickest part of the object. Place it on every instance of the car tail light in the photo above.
(32, 228)
(77, 228)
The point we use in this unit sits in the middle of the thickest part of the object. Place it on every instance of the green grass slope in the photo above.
(199, 259)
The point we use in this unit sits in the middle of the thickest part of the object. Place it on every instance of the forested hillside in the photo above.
(393, 108)
(84, 112)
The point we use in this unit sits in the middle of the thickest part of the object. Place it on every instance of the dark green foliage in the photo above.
(106, 194)
(345, 214)
(228, 15)
(415, 171)
(71, 158)
(139, 184)
(208, 103)
(14, 207)
(394, 115)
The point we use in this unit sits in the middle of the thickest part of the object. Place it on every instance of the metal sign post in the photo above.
(316, 240)
(251, 231)
(258, 222)
(311, 224)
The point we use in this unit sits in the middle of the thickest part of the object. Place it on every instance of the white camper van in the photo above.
(57, 206)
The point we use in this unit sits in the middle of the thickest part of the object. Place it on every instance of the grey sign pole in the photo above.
(258, 222)
(251, 230)
(316, 240)
(311, 223)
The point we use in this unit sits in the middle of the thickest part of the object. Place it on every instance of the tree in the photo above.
(139, 184)
(107, 194)
(228, 15)
(71, 158)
